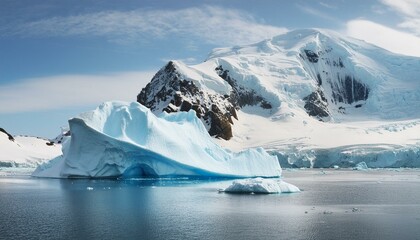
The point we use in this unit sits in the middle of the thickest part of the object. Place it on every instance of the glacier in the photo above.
(120, 139)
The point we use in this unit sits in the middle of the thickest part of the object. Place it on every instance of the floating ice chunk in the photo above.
(121, 139)
(361, 166)
(89, 188)
(261, 185)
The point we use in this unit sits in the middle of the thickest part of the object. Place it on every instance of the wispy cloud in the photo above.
(209, 24)
(58, 92)
(330, 6)
(316, 13)
(410, 12)
(385, 37)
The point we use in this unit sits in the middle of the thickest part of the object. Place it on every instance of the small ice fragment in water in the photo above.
(89, 188)
(261, 185)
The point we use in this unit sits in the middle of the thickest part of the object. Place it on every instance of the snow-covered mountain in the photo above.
(313, 97)
(23, 151)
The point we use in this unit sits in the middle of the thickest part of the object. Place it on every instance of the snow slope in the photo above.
(121, 139)
(25, 151)
(312, 97)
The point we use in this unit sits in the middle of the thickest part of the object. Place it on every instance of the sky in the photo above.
(62, 57)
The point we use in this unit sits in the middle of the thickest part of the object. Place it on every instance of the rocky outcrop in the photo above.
(316, 105)
(348, 90)
(65, 134)
(240, 95)
(312, 56)
(11, 138)
(345, 88)
(169, 91)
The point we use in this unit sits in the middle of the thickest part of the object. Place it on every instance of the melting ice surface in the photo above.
(121, 139)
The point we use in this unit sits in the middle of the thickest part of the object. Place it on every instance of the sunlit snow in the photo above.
(121, 139)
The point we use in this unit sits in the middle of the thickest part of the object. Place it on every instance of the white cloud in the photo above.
(409, 10)
(316, 13)
(58, 92)
(327, 5)
(406, 7)
(210, 24)
(385, 37)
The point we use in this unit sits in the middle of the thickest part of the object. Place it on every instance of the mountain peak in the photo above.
(312, 73)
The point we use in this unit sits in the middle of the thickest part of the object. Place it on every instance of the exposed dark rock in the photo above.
(349, 90)
(344, 87)
(340, 63)
(312, 56)
(185, 106)
(169, 109)
(220, 124)
(178, 99)
(266, 105)
(319, 79)
(316, 104)
(240, 95)
(11, 138)
(169, 89)
(233, 113)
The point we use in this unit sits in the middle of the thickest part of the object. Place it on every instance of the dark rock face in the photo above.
(344, 88)
(348, 90)
(240, 95)
(220, 123)
(59, 139)
(162, 87)
(312, 56)
(168, 91)
(316, 105)
(11, 138)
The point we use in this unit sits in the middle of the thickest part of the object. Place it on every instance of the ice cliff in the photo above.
(121, 139)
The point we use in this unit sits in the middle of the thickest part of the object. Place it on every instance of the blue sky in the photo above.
(59, 58)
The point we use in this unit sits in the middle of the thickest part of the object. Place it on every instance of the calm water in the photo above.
(335, 205)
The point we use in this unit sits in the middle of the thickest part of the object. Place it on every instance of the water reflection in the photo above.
(193, 209)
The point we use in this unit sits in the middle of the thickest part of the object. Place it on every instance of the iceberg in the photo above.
(121, 139)
(261, 185)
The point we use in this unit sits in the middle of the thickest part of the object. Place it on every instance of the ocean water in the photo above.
(334, 204)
